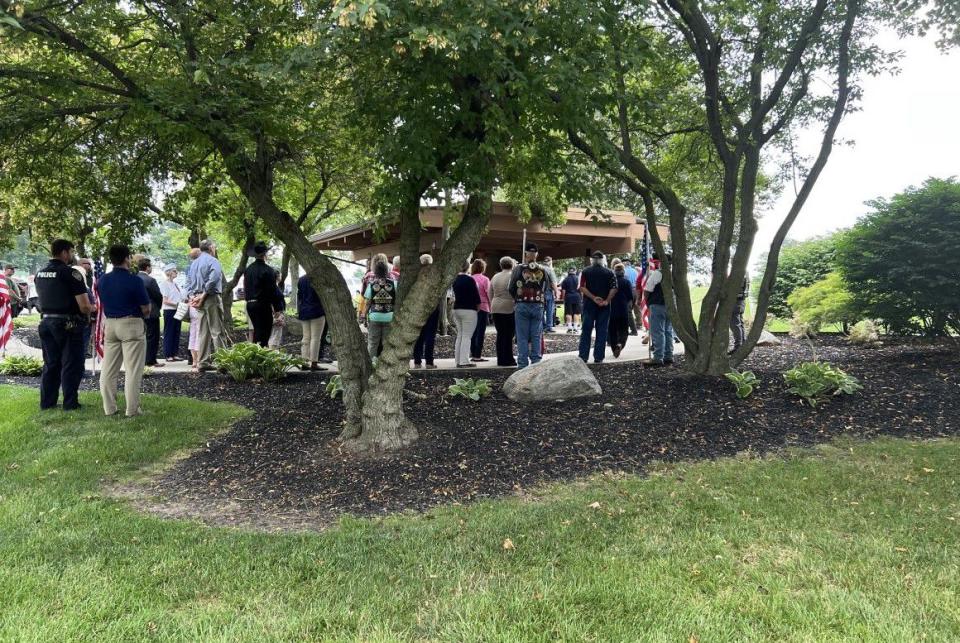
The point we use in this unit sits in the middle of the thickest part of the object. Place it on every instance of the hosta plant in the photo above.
(335, 387)
(472, 389)
(20, 365)
(244, 361)
(744, 382)
(814, 381)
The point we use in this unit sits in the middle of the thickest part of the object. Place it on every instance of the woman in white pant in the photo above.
(312, 319)
(466, 303)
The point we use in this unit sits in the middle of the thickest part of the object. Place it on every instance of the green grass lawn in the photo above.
(851, 541)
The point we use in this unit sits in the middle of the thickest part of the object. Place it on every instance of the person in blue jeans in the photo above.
(661, 330)
(598, 285)
(549, 296)
(527, 284)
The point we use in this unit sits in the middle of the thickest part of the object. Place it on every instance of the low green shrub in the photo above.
(864, 333)
(815, 380)
(472, 389)
(335, 387)
(244, 361)
(21, 365)
(744, 382)
(800, 329)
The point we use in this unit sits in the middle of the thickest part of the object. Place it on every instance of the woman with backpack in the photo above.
(381, 298)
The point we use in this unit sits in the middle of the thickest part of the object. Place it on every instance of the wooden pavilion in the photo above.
(616, 233)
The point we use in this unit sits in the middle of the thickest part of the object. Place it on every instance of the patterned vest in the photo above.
(384, 297)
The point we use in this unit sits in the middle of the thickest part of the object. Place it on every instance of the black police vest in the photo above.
(56, 285)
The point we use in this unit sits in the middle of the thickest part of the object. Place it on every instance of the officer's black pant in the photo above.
(261, 316)
(62, 344)
(152, 330)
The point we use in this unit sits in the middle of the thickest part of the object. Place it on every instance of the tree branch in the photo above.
(810, 26)
(43, 26)
(47, 78)
(826, 146)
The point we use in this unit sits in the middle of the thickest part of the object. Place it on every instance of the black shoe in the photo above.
(73, 408)
(668, 362)
(654, 364)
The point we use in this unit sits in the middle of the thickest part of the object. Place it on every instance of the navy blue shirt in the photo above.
(599, 280)
(466, 295)
(122, 293)
(309, 305)
(571, 287)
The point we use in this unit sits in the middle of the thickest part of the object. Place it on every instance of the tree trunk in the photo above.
(293, 270)
(285, 265)
(254, 176)
(409, 242)
(385, 427)
(444, 325)
(373, 419)
(228, 286)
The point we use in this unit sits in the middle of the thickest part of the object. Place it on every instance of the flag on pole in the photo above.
(6, 314)
(98, 329)
(645, 255)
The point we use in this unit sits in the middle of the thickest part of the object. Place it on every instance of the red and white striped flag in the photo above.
(98, 328)
(644, 308)
(6, 314)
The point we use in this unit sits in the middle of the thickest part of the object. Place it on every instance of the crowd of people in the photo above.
(601, 304)
(604, 304)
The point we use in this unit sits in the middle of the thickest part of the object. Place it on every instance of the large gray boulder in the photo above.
(768, 339)
(561, 378)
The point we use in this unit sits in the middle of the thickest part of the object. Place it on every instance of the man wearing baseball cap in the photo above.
(527, 284)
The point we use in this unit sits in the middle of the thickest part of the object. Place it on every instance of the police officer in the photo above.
(65, 310)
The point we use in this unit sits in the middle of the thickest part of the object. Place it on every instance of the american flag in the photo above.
(6, 314)
(644, 265)
(98, 273)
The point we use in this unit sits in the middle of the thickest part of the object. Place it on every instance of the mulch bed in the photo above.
(280, 468)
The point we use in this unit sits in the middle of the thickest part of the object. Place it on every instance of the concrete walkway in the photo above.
(634, 351)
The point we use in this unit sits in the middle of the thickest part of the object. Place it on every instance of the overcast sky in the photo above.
(908, 129)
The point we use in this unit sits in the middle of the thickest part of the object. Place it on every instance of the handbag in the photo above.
(183, 308)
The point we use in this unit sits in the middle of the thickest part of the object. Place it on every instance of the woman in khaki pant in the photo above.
(312, 319)
(124, 300)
